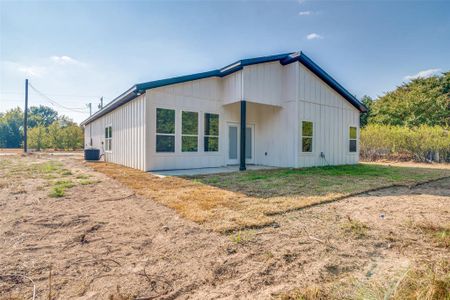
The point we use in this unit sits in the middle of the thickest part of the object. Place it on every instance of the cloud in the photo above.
(33, 71)
(422, 74)
(65, 60)
(314, 36)
(305, 13)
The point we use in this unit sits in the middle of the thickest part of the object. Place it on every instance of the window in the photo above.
(108, 138)
(165, 130)
(307, 136)
(189, 131)
(352, 145)
(211, 138)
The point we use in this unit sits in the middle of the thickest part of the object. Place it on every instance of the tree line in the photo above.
(46, 129)
(410, 122)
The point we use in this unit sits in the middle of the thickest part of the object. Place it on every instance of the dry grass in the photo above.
(439, 234)
(244, 200)
(423, 281)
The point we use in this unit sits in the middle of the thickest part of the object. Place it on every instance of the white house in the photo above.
(281, 110)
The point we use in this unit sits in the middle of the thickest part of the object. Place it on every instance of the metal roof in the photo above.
(284, 59)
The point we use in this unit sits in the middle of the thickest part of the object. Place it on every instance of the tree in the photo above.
(37, 138)
(41, 115)
(422, 101)
(11, 128)
(364, 117)
(55, 135)
(72, 137)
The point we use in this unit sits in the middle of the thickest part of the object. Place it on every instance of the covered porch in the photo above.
(253, 134)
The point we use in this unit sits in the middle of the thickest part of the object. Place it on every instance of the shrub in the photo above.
(423, 143)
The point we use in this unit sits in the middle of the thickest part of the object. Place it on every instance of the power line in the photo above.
(63, 95)
(54, 103)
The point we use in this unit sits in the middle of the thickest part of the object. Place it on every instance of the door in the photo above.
(234, 144)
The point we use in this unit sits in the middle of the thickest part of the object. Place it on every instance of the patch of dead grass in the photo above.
(245, 200)
(423, 281)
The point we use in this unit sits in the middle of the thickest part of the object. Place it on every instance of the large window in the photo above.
(352, 143)
(189, 131)
(165, 130)
(307, 136)
(108, 138)
(211, 138)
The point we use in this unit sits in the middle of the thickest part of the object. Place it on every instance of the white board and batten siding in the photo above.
(201, 96)
(279, 99)
(128, 134)
(332, 117)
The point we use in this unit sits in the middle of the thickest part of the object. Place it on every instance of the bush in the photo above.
(423, 143)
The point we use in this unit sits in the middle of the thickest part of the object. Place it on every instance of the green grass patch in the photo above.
(83, 176)
(319, 181)
(66, 172)
(88, 181)
(59, 188)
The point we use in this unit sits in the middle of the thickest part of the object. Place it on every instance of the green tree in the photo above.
(55, 136)
(72, 137)
(11, 128)
(364, 117)
(37, 138)
(41, 115)
(422, 101)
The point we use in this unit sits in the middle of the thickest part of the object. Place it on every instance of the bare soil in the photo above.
(101, 240)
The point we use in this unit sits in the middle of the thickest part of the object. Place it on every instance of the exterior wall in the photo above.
(262, 83)
(279, 98)
(332, 116)
(202, 96)
(128, 134)
(232, 88)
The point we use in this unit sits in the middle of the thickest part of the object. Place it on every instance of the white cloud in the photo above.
(423, 74)
(33, 71)
(65, 60)
(305, 13)
(314, 36)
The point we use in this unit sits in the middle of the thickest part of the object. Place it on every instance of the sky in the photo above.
(75, 52)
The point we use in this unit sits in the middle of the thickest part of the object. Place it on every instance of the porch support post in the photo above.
(242, 166)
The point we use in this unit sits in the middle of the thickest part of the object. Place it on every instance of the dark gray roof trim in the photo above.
(284, 59)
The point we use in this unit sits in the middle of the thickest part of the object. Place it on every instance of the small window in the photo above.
(307, 136)
(165, 130)
(352, 144)
(108, 138)
(189, 131)
(211, 138)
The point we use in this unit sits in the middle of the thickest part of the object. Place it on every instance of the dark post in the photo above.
(243, 129)
(25, 118)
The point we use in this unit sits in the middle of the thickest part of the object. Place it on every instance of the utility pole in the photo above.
(25, 119)
(90, 108)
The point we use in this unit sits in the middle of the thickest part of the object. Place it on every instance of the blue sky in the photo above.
(77, 51)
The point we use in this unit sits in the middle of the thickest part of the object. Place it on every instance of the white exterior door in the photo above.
(234, 143)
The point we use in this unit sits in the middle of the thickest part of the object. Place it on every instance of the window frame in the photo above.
(307, 136)
(108, 138)
(211, 135)
(350, 139)
(165, 134)
(190, 135)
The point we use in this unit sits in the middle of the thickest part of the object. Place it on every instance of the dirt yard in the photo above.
(73, 232)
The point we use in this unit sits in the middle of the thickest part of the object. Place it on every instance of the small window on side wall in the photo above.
(353, 139)
(108, 138)
(307, 136)
(165, 130)
(211, 137)
(189, 131)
